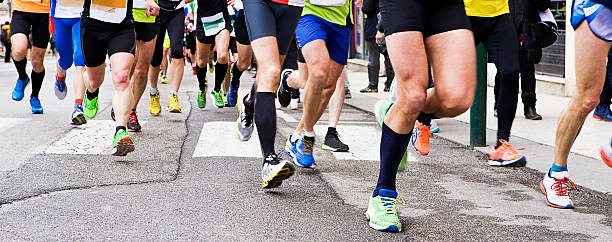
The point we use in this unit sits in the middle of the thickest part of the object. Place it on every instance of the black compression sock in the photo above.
(120, 128)
(37, 80)
(236, 74)
(201, 74)
(220, 71)
(392, 149)
(91, 95)
(265, 120)
(252, 96)
(21, 68)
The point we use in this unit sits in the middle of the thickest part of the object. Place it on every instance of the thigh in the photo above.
(317, 56)
(222, 40)
(203, 52)
(591, 55)
(76, 44)
(409, 59)
(245, 54)
(40, 30)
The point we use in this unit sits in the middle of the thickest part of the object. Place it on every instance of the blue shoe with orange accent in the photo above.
(602, 112)
(606, 152)
(20, 86)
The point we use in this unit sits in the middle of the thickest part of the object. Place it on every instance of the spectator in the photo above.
(370, 10)
(4, 38)
(602, 111)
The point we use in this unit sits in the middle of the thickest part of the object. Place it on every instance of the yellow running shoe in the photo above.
(154, 106)
(173, 104)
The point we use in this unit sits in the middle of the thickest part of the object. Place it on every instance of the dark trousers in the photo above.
(374, 66)
(606, 93)
(499, 37)
(528, 80)
(7, 52)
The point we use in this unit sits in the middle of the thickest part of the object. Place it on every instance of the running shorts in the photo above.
(174, 23)
(242, 35)
(427, 17)
(291, 60)
(266, 18)
(190, 42)
(97, 42)
(210, 39)
(336, 36)
(67, 36)
(146, 31)
(35, 23)
(598, 17)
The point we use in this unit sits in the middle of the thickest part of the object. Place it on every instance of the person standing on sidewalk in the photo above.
(370, 10)
(602, 111)
(592, 21)
(4, 37)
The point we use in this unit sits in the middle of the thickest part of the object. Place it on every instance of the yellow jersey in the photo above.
(486, 8)
(31, 6)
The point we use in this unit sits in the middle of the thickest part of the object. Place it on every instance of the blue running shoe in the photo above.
(19, 88)
(602, 112)
(232, 96)
(290, 148)
(36, 107)
(60, 89)
(303, 155)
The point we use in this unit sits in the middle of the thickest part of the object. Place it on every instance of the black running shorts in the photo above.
(146, 31)
(242, 35)
(426, 16)
(173, 22)
(97, 41)
(266, 18)
(190, 42)
(35, 23)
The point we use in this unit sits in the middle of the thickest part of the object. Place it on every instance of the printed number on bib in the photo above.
(329, 3)
(112, 11)
(213, 24)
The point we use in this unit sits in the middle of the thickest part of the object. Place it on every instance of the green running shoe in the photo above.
(201, 99)
(218, 98)
(382, 212)
(90, 108)
(380, 111)
(225, 100)
(123, 143)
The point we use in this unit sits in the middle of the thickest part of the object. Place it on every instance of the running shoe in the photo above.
(217, 98)
(369, 89)
(293, 105)
(36, 107)
(283, 94)
(201, 99)
(555, 188)
(606, 152)
(173, 104)
(602, 112)
(434, 127)
(19, 89)
(112, 115)
(60, 88)
(232, 96)
(244, 124)
(275, 170)
(164, 79)
(506, 155)
(123, 143)
(154, 106)
(382, 212)
(225, 100)
(211, 67)
(347, 94)
(419, 140)
(77, 115)
(290, 148)
(303, 155)
(90, 107)
(333, 142)
(133, 125)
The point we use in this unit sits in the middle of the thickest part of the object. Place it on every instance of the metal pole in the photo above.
(478, 111)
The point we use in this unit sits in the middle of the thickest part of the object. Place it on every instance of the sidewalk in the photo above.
(535, 139)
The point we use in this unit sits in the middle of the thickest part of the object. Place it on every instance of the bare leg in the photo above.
(141, 69)
(336, 102)
(122, 64)
(79, 82)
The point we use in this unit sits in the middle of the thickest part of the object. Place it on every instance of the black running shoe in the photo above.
(113, 114)
(284, 94)
(133, 125)
(333, 143)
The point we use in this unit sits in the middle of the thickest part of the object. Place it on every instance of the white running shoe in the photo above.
(293, 105)
(434, 127)
(606, 152)
(555, 188)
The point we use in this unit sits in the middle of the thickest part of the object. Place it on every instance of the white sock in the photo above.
(310, 134)
(154, 91)
(173, 93)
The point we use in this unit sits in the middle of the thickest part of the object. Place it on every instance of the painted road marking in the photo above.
(7, 123)
(219, 139)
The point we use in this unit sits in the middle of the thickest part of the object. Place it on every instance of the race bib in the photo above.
(213, 24)
(329, 3)
(112, 11)
(139, 3)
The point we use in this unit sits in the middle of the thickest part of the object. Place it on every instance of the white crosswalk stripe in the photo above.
(219, 139)
(7, 123)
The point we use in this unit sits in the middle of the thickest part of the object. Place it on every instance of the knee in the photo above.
(242, 65)
(587, 104)
(455, 102)
(222, 57)
(121, 79)
(411, 104)
(37, 64)
(317, 78)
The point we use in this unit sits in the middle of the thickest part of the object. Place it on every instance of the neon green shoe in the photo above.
(164, 80)
(123, 143)
(380, 111)
(382, 212)
(90, 107)
(201, 99)
(218, 97)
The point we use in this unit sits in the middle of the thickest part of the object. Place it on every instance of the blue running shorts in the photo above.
(336, 36)
(598, 16)
(67, 36)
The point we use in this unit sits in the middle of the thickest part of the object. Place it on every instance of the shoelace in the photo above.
(424, 136)
(560, 186)
(507, 147)
(307, 144)
(390, 204)
(273, 159)
(133, 118)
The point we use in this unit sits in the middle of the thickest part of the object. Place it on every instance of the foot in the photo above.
(217, 97)
(419, 140)
(60, 88)
(122, 144)
(293, 104)
(173, 104)
(333, 142)
(369, 89)
(275, 170)
(78, 118)
(606, 152)
(555, 188)
(531, 114)
(133, 125)
(19, 89)
(506, 155)
(164, 80)
(90, 107)
(382, 212)
(347, 94)
(36, 107)
(387, 89)
(303, 155)
(232, 96)
(154, 106)
(290, 148)
(434, 127)
(201, 99)
(283, 94)
(244, 124)
(602, 112)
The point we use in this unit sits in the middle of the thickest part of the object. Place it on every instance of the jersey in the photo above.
(486, 8)
(30, 6)
(339, 15)
(108, 11)
(297, 3)
(140, 14)
(66, 8)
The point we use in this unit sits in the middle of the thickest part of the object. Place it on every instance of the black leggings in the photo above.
(528, 80)
(174, 22)
(606, 93)
(499, 37)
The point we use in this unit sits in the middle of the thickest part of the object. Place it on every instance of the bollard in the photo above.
(478, 111)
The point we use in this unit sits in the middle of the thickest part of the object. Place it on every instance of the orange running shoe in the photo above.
(506, 155)
(420, 138)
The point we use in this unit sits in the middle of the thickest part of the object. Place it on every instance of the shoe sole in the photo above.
(294, 159)
(606, 158)
(124, 146)
(79, 120)
(37, 112)
(332, 149)
(521, 162)
(277, 179)
(155, 114)
(543, 190)
(392, 228)
(174, 110)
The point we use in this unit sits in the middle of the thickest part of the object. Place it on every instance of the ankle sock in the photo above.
(265, 120)
(307, 133)
(154, 91)
(78, 101)
(331, 130)
(21, 68)
(220, 71)
(91, 95)
(392, 149)
(37, 80)
(173, 93)
(557, 168)
(425, 119)
(60, 79)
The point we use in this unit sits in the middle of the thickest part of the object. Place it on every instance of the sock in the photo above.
(331, 130)
(173, 93)
(154, 91)
(306, 133)
(425, 119)
(37, 80)
(21, 68)
(201, 74)
(91, 95)
(133, 110)
(392, 149)
(557, 168)
(220, 71)
(236, 74)
(295, 137)
(60, 79)
(265, 120)
(120, 128)
(78, 101)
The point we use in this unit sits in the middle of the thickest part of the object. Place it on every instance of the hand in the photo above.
(379, 37)
(151, 8)
(358, 3)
